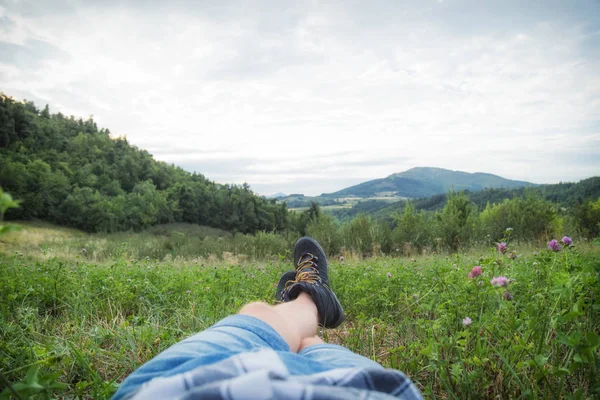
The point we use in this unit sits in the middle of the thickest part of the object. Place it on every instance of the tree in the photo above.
(454, 222)
(45, 112)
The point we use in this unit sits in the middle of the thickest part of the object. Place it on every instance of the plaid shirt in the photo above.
(262, 375)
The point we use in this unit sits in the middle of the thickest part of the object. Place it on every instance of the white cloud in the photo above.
(282, 90)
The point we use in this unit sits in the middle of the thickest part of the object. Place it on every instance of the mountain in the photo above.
(566, 195)
(424, 182)
(277, 195)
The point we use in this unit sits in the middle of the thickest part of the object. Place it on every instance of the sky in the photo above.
(314, 96)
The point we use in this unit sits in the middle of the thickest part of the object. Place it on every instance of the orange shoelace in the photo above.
(305, 272)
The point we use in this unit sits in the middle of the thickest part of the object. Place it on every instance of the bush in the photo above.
(412, 232)
(326, 231)
(531, 218)
(455, 222)
(587, 218)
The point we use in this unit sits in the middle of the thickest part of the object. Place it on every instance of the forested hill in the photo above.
(566, 195)
(67, 171)
(427, 181)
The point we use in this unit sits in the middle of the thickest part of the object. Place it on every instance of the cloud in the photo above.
(303, 94)
(30, 55)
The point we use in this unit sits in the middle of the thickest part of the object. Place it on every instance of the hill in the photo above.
(566, 195)
(70, 172)
(277, 195)
(426, 181)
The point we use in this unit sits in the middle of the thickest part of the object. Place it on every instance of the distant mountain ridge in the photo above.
(277, 195)
(426, 181)
(564, 194)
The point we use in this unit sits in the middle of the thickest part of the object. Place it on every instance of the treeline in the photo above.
(460, 224)
(568, 195)
(69, 172)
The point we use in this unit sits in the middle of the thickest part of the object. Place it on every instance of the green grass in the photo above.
(91, 322)
(179, 242)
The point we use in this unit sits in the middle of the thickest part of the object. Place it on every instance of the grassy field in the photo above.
(77, 322)
(349, 202)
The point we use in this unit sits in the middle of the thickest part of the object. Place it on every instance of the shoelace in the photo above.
(306, 271)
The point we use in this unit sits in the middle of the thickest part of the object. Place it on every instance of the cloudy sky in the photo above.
(313, 96)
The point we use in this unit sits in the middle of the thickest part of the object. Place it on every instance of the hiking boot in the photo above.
(289, 276)
(312, 277)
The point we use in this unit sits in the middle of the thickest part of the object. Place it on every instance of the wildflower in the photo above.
(554, 246)
(274, 285)
(389, 274)
(466, 321)
(195, 283)
(475, 272)
(500, 281)
(83, 251)
(453, 265)
(535, 263)
(188, 291)
(342, 258)
(502, 247)
(507, 296)
(509, 229)
(252, 276)
(567, 241)
(513, 255)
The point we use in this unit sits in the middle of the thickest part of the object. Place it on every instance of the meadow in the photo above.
(78, 312)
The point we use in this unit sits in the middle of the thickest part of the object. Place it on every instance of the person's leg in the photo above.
(294, 321)
(333, 355)
(310, 341)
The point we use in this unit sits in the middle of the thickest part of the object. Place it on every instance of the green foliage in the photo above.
(69, 172)
(565, 195)
(35, 384)
(413, 231)
(458, 224)
(587, 218)
(6, 203)
(365, 236)
(327, 232)
(530, 218)
(455, 221)
(73, 328)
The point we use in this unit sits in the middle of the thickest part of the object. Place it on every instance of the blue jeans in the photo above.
(241, 334)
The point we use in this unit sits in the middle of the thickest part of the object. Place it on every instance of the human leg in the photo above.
(287, 328)
(307, 299)
(310, 341)
(294, 320)
(316, 349)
